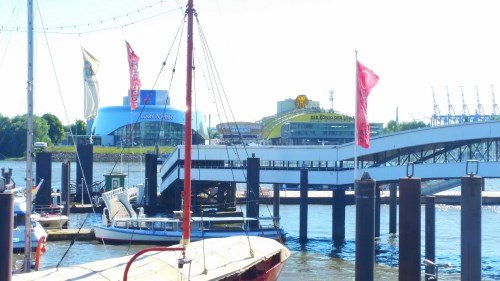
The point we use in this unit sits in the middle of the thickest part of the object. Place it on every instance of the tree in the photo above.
(56, 129)
(5, 125)
(15, 137)
(393, 126)
(78, 128)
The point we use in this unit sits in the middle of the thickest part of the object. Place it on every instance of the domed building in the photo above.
(153, 122)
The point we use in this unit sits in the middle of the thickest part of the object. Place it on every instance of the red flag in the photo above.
(135, 82)
(366, 80)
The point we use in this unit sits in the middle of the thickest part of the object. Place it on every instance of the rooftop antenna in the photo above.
(451, 111)
(480, 110)
(331, 98)
(496, 111)
(465, 109)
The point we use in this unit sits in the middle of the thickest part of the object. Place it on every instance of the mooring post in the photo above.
(84, 172)
(65, 192)
(393, 208)
(430, 236)
(253, 188)
(377, 210)
(151, 183)
(6, 227)
(409, 229)
(338, 215)
(44, 172)
(304, 182)
(471, 226)
(365, 228)
(276, 203)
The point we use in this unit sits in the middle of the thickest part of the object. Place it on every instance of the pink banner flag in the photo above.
(366, 80)
(135, 82)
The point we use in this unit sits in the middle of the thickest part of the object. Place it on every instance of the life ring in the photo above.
(40, 249)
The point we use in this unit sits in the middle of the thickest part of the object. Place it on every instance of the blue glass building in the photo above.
(153, 122)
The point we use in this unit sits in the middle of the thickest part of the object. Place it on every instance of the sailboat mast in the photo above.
(29, 142)
(186, 227)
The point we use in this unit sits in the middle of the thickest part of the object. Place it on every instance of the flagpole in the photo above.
(356, 120)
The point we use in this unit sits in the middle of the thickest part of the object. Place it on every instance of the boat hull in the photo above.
(120, 235)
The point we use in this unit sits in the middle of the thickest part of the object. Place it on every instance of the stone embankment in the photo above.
(105, 157)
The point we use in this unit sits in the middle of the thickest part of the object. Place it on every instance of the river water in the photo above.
(318, 259)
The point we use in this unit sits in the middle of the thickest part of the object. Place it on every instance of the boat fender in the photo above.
(40, 249)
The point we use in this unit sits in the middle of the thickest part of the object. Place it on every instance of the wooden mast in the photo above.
(186, 226)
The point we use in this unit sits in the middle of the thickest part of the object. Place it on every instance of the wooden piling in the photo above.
(409, 229)
(338, 215)
(365, 228)
(6, 243)
(304, 185)
(253, 184)
(393, 208)
(471, 202)
(430, 235)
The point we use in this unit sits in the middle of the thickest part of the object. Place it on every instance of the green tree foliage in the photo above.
(13, 135)
(78, 128)
(56, 129)
(393, 126)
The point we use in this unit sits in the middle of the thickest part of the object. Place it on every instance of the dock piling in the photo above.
(65, 191)
(276, 203)
(6, 243)
(304, 185)
(393, 208)
(430, 236)
(365, 228)
(409, 229)
(471, 228)
(253, 188)
(338, 214)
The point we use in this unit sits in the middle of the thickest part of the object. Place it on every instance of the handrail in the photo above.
(143, 251)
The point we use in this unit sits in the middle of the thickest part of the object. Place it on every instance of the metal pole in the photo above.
(6, 243)
(338, 209)
(365, 228)
(393, 208)
(471, 228)
(276, 203)
(304, 182)
(430, 235)
(409, 229)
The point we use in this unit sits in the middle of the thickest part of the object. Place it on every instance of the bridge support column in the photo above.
(276, 203)
(338, 215)
(393, 208)
(253, 182)
(409, 232)
(304, 185)
(365, 219)
(430, 236)
(377, 210)
(471, 228)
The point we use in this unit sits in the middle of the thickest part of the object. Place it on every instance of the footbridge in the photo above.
(431, 153)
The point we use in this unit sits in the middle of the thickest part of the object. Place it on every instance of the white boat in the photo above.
(233, 258)
(51, 216)
(136, 228)
(20, 217)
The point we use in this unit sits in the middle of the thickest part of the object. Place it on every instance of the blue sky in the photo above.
(265, 51)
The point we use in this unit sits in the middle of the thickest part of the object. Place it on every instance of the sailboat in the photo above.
(229, 258)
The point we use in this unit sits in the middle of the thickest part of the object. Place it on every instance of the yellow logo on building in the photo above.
(301, 101)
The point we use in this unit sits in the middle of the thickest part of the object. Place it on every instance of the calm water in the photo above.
(318, 259)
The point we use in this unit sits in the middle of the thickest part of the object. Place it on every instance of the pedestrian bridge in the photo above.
(427, 153)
